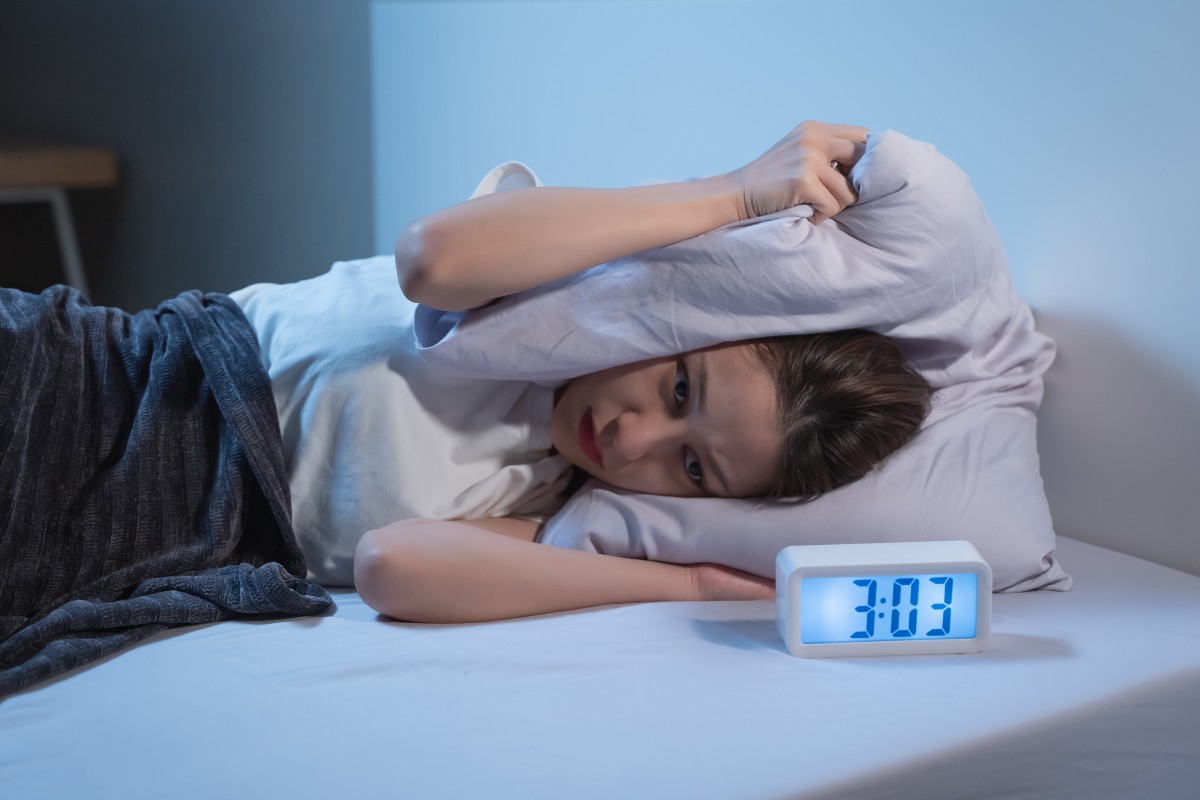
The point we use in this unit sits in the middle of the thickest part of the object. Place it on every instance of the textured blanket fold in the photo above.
(142, 482)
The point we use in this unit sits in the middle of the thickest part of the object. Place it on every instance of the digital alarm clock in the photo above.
(886, 599)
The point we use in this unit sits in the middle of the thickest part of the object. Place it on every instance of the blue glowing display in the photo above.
(888, 608)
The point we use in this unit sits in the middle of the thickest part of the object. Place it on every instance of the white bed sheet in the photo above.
(1092, 693)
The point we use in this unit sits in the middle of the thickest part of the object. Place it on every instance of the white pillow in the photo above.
(916, 258)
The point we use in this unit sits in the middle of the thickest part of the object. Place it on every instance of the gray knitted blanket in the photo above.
(142, 483)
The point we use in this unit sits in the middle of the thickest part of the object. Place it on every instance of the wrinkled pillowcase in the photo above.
(916, 258)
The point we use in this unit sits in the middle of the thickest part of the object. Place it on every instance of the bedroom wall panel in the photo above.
(1072, 119)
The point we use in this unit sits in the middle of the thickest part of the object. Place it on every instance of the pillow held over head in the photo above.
(915, 258)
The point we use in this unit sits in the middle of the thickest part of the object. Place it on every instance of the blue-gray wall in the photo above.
(1073, 118)
(243, 129)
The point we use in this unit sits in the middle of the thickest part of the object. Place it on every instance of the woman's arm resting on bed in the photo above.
(454, 571)
(471, 253)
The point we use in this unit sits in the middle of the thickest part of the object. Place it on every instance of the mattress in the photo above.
(1091, 693)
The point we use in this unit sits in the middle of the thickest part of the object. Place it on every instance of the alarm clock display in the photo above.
(889, 598)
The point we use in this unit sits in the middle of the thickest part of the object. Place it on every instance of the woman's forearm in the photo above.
(436, 571)
(502, 243)
(495, 245)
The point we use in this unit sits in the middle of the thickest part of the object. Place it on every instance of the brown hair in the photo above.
(847, 400)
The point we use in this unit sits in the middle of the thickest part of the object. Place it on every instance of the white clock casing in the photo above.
(902, 562)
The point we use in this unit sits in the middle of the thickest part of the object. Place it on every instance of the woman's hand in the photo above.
(717, 582)
(809, 165)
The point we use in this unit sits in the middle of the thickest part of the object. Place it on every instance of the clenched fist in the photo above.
(809, 165)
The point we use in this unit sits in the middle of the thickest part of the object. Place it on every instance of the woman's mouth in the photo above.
(587, 438)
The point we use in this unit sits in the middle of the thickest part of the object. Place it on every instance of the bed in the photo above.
(1089, 693)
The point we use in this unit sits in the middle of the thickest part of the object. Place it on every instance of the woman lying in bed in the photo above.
(783, 417)
(143, 454)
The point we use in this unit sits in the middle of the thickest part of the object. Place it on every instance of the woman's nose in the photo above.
(639, 434)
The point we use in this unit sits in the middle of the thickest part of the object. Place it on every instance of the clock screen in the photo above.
(888, 608)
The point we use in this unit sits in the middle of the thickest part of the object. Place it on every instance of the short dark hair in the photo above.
(847, 400)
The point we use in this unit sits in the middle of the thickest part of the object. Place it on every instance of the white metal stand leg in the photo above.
(68, 245)
(64, 228)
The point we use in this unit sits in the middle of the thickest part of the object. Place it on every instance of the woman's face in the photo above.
(704, 423)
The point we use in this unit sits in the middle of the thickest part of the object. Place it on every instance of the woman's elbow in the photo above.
(414, 259)
(422, 265)
(378, 573)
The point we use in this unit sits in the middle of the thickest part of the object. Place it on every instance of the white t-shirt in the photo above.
(372, 436)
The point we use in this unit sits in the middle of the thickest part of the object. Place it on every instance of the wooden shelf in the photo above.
(25, 164)
(36, 172)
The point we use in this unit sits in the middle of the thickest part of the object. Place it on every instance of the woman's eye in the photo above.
(692, 465)
(681, 383)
